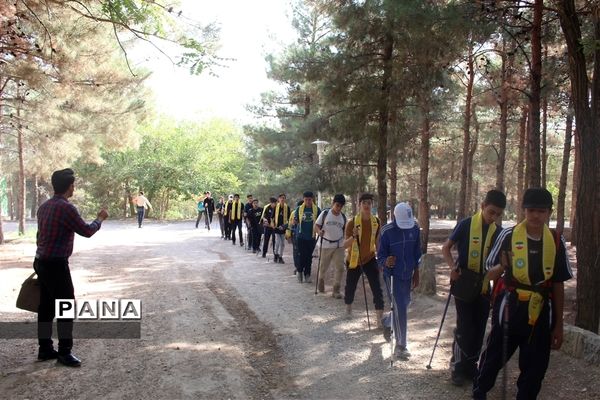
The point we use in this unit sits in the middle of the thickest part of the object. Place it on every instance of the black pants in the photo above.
(55, 283)
(305, 251)
(227, 227)
(236, 225)
(222, 224)
(268, 232)
(140, 215)
(371, 270)
(534, 350)
(255, 235)
(249, 237)
(200, 214)
(471, 320)
(296, 252)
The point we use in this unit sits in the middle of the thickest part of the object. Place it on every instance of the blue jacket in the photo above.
(405, 244)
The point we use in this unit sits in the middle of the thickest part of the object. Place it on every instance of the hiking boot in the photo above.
(307, 279)
(379, 318)
(321, 286)
(387, 333)
(401, 353)
(457, 378)
(299, 276)
(336, 292)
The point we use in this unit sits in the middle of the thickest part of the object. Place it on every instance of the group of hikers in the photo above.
(527, 263)
(517, 273)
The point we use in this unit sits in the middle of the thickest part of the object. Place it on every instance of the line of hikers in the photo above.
(527, 264)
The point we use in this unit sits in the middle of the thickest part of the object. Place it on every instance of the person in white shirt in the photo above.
(141, 203)
(330, 227)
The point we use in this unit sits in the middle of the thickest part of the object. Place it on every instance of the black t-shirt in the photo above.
(209, 204)
(461, 236)
(562, 270)
(254, 215)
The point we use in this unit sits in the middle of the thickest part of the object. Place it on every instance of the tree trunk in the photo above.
(501, 163)
(424, 180)
(533, 159)
(544, 155)
(471, 157)
(35, 195)
(21, 194)
(521, 163)
(393, 179)
(10, 194)
(382, 137)
(562, 186)
(464, 168)
(576, 173)
(587, 117)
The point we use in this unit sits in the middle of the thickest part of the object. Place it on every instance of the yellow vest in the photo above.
(355, 251)
(520, 266)
(236, 210)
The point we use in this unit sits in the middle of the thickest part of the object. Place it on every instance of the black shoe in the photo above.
(233, 243)
(264, 256)
(241, 244)
(275, 258)
(44, 355)
(280, 261)
(387, 333)
(69, 360)
(457, 379)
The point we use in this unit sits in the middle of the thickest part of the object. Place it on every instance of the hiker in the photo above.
(473, 238)
(363, 228)
(399, 254)
(209, 209)
(291, 234)
(304, 217)
(201, 209)
(253, 216)
(226, 213)
(58, 221)
(282, 213)
(235, 218)
(141, 203)
(220, 208)
(268, 222)
(533, 262)
(247, 222)
(330, 228)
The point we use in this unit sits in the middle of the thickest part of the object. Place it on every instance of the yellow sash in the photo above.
(520, 267)
(286, 209)
(354, 254)
(288, 231)
(225, 206)
(475, 253)
(236, 210)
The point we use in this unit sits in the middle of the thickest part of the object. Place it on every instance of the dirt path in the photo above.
(219, 323)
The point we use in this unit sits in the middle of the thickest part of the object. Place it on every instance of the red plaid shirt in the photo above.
(58, 221)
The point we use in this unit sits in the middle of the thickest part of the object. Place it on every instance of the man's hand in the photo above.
(102, 215)
(454, 274)
(416, 279)
(390, 261)
(556, 339)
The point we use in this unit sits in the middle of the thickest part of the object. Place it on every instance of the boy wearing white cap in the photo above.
(399, 254)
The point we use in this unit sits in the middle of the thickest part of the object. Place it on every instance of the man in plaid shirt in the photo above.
(58, 221)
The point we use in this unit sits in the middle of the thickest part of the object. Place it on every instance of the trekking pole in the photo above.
(506, 260)
(319, 263)
(393, 320)
(363, 281)
(440, 330)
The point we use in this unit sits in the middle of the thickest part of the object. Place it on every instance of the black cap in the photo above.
(272, 200)
(537, 198)
(339, 198)
(308, 193)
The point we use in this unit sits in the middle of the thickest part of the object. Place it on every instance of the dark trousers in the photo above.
(255, 236)
(200, 214)
(140, 215)
(305, 251)
(227, 227)
(268, 234)
(55, 283)
(296, 252)
(249, 236)
(471, 320)
(534, 350)
(222, 224)
(237, 225)
(371, 270)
